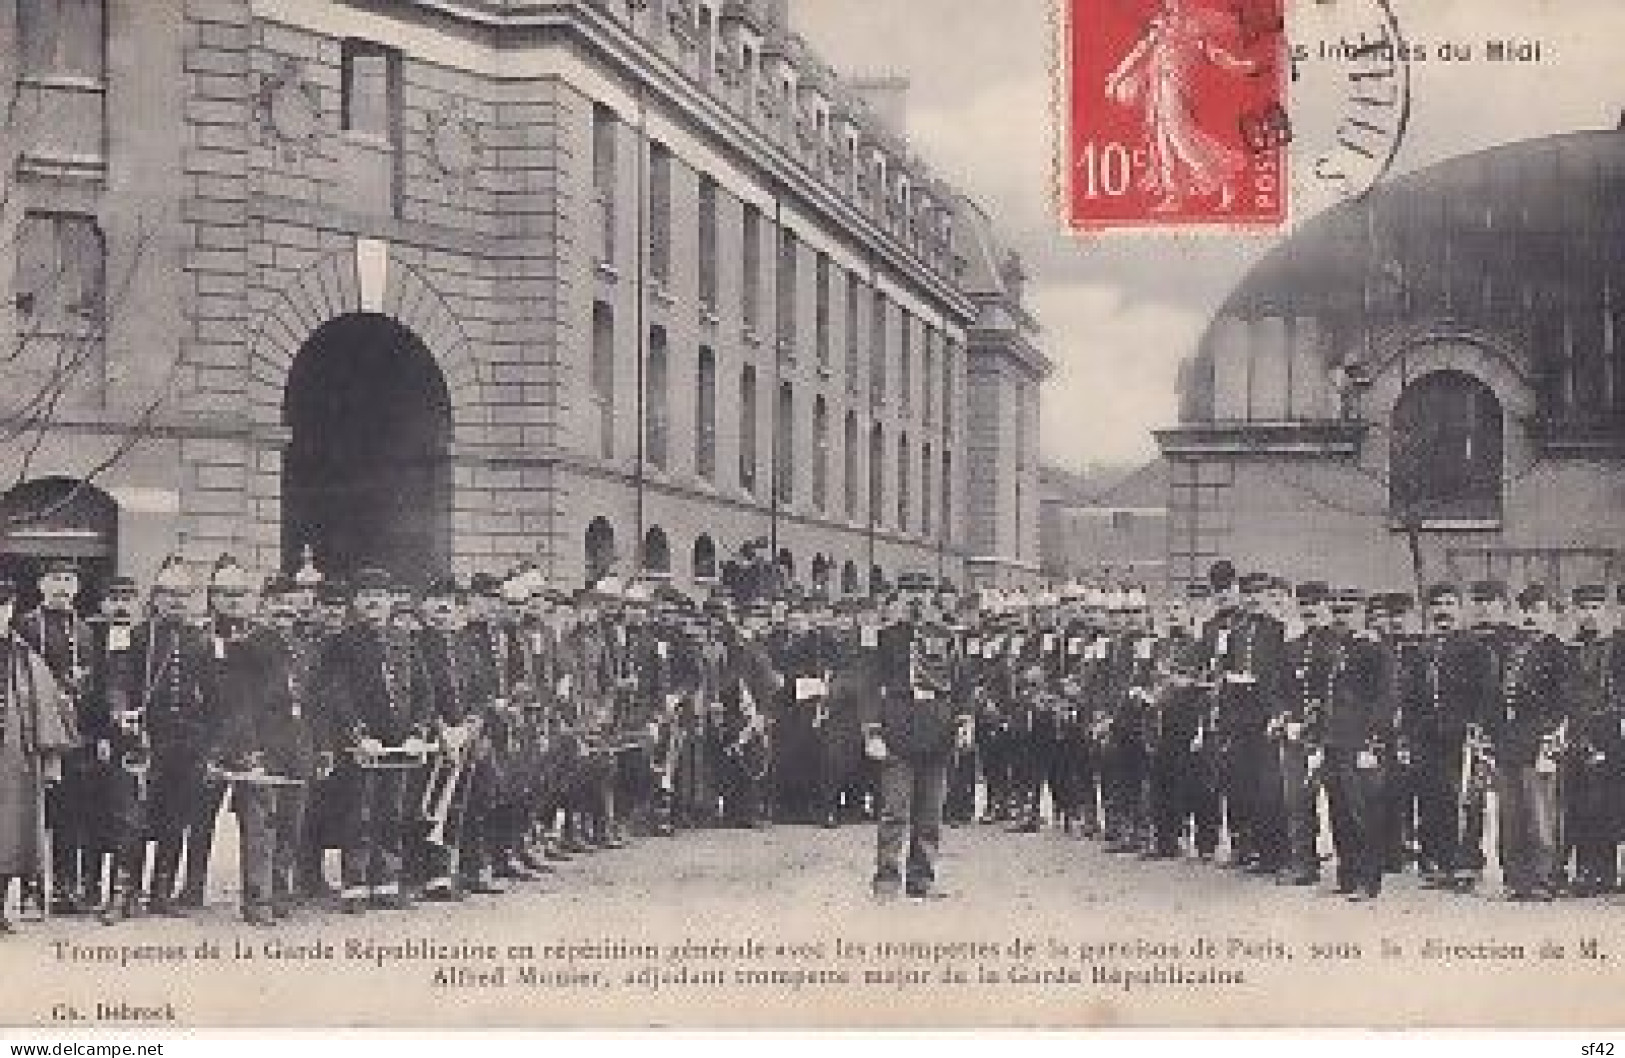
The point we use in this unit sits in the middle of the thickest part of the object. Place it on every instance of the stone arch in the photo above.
(331, 287)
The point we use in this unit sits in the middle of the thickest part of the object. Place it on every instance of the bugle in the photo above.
(440, 792)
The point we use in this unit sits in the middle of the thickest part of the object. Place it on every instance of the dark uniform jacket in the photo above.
(1537, 695)
(921, 693)
(162, 675)
(1361, 693)
(258, 712)
(374, 685)
(1599, 710)
(1252, 671)
(451, 665)
(1444, 686)
(64, 641)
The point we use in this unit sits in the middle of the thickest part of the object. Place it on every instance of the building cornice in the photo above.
(593, 27)
(1332, 437)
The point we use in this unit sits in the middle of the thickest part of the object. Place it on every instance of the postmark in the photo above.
(1227, 114)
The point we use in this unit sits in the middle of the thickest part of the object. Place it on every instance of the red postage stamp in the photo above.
(1176, 112)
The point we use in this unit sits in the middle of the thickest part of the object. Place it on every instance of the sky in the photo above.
(1118, 314)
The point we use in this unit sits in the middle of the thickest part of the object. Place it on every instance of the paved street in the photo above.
(790, 903)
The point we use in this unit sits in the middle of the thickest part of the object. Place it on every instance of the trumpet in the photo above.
(407, 755)
(136, 760)
(441, 789)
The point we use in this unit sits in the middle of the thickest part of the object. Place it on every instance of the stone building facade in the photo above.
(1427, 383)
(453, 285)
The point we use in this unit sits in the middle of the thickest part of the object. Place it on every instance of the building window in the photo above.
(928, 371)
(947, 389)
(705, 416)
(854, 361)
(656, 552)
(61, 274)
(926, 478)
(821, 312)
(704, 562)
(948, 497)
(659, 213)
(877, 473)
(371, 90)
(60, 296)
(787, 281)
(905, 472)
(1445, 460)
(708, 243)
(655, 397)
(850, 584)
(605, 127)
(784, 443)
(849, 468)
(747, 428)
(599, 546)
(370, 113)
(820, 468)
(750, 257)
(905, 361)
(877, 349)
(1122, 521)
(603, 376)
(62, 38)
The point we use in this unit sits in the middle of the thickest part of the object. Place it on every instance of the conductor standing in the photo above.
(911, 728)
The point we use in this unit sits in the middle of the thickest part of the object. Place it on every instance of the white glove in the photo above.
(370, 746)
(874, 746)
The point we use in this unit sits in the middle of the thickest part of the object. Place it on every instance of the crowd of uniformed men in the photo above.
(456, 740)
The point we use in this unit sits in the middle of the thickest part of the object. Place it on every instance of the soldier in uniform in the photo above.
(156, 696)
(800, 653)
(119, 818)
(1354, 739)
(1251, 674)
(851, 681)
(1390, 613)
(748, 679)
(1299, 729)
(63, 640)
(323, 612)
(36, 731)
(995, 719)
(1527, 728)
(1178, 788)
(262, 741)
(451, 669)
(1442, 695)
(1593, 799)
(1132, 668)
(912, 730)
(379, 701)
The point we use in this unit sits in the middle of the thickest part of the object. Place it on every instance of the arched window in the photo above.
(820, 573)
(849, 470)
(948, 497)
(787, 566)
(849, 579)
(747, 428)
(656, 552)
(820, 468)
(704, 568)
(656, 417)
(600, 548)
(1445, 455)
(705, 416)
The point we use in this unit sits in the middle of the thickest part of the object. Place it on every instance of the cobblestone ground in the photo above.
(791, 901)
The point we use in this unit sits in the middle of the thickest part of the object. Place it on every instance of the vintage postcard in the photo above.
(809, 514)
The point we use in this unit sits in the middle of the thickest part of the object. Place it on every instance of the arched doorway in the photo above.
(58, 518)
(1445, 457)
(656, 553)
(367, 475)
(600, 550)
